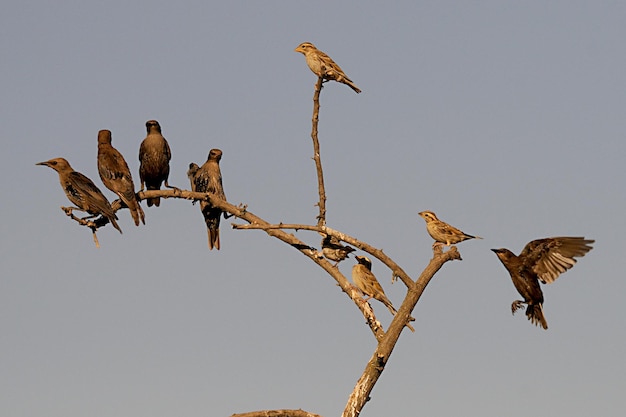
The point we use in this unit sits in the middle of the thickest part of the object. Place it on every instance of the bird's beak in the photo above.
(43, 163)
(495, 251)
(297, 49)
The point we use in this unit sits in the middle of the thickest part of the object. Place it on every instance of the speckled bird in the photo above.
(81, 191)
(154, 158)
(116, 176)
(442, 232)
(323, 66)
(208, 179)
(333, 250)
(366, 281)
(540, 260)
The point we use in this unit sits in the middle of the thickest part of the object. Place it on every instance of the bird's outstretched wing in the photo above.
(550, 257)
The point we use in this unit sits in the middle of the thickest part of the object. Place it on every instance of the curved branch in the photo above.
(376, 365)
(386, 340)
(396, 270)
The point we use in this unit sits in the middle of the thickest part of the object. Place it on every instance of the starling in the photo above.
(81, 191)
(191, 174)
(442, 232)
(323, 66)
(333, 250)
(115, 175)
(208, 179)
(540, 260)
(365, 281)
(154, 158)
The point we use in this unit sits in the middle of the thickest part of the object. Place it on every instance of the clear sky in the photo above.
(505, 118)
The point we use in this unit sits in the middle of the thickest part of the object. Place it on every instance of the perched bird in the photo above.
(208, 179)
(540, 260)
(365, 281)
(442, 232)
(154, 158)
(191, 174)
(333, 250)
(115, 175)
(81, 191)
(323, 66)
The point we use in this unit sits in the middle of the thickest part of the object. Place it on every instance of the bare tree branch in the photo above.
(396, 270)
(386, 340)
(321, 218)
(277, 413)
(376, 365)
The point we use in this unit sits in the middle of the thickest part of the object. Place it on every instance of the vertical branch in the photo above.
(376, 365)
(321, 218)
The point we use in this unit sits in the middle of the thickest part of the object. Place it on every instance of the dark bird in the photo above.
(323, 66)
(191, 174)
(154, 159)
(81, 191)
(364, 279)
(540, 260)
(208, 179)
(333, 250)
(115, 175)
(442, 232)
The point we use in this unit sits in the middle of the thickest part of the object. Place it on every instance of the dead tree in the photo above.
(386, 339)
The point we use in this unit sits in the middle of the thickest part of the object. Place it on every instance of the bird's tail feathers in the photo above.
(113, 221)
(352, 86)
(214, 238)
(387, 303)
(534, 312)
(137, 213)
(156, 201)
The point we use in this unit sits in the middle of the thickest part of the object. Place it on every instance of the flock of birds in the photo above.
(541, 260)
(154, 170)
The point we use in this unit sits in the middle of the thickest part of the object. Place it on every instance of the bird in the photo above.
(191, 174)
(333, 250)
(323, 66)
(115, 175)
(154, 158)
(81, 191)
(208, 179)
(442, 232)
(364, 279)
(540, 260)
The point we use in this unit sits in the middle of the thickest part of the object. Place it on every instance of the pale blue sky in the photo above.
(505, 118)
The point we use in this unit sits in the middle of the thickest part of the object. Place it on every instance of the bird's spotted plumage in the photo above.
(442, 232)
(116, 176)
(540, 260)
(364, 279)
(154, 158)
(323, 66)
(81, 191)
(208, 179)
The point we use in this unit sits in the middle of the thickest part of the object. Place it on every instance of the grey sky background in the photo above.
(504, 118)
